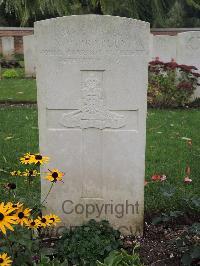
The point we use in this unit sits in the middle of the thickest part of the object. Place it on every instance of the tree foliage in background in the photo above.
(160, 13)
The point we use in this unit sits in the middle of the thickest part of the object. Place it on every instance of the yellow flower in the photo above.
(15, 206)
(54, 219)
(33, 224)
(44, 221)
(30, 173)
(6, 218)
(54, 175)
(8, 205)
(39, 159)
(5, 260)
(22, 216)
(27, 158)
(16, 173)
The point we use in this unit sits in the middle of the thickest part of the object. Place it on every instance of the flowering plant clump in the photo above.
(5, 260)
(29, 158)
(20, 225)
(171, 84)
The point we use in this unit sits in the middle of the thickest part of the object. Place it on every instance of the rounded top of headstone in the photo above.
(187, 33)
(92, 18)
(91, 35)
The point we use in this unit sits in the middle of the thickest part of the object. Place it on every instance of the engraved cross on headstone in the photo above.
(92, 118)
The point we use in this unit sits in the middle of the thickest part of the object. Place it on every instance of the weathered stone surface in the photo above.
(151, 57)
(188, 51)
(29, 55)
(8, 48)
(92, 83)
(164, 47)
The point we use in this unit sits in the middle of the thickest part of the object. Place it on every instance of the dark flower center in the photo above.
(12, 186)
(1, 260)
(52, 219)
(43, 220)
(32, 223)
(55, 174)
(38, 157)
(30, 172)
(1, 216)
(21, 215)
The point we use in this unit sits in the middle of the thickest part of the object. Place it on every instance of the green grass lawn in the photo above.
(167, 153)
(18, 90)
(18, 134)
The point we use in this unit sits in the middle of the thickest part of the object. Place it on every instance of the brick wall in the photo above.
(18, 34)
(171, 31)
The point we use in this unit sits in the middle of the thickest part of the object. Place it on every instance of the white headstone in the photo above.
(29, 55)
(164, 47)
(151, 47)
(92, 74)
(8, 47)
(188, 51)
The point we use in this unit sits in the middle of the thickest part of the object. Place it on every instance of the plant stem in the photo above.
(10, 246)
(45, 197)
(48, 193)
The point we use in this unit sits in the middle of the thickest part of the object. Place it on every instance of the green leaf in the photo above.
(47, 251)
(196, 201)
(196, 252)
(168, 191)
(114, 259)
(195, 229)
(157, 220)
(175, 214)
(87, 229)
(186, 259)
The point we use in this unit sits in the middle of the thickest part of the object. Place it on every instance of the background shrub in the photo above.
(10, 73)
(121, 258)
(13, 73)
(170, 84)
(88, 243)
